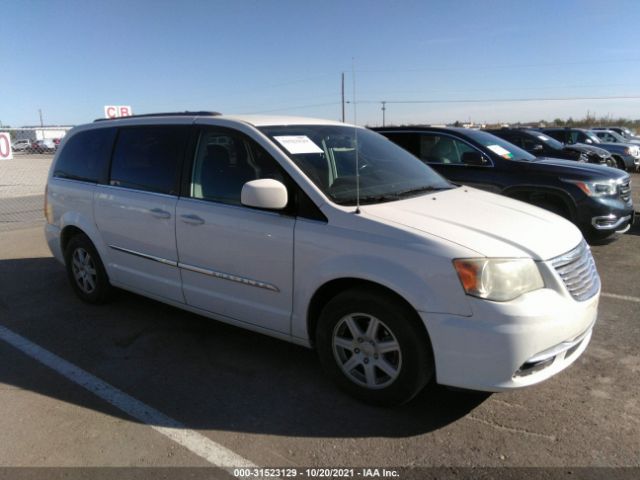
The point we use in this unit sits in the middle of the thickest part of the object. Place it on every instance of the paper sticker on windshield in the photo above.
(543, 138)
(503, 152)
(297, 144)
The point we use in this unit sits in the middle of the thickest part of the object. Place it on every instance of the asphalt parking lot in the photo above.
(229, 391)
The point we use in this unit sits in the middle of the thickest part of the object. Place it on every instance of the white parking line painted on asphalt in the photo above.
(628, 298)
(198, 444)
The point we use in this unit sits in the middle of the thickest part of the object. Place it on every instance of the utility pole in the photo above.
(384, 109)
(342, 97)
(41, 124)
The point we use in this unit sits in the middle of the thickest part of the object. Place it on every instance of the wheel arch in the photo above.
(68, 233)
(331, 288)
(620, 161)
(534, 195)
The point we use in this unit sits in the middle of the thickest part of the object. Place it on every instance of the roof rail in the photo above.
(165, 114)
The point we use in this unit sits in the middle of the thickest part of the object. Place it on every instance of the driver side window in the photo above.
(224, 162)
(442, 149)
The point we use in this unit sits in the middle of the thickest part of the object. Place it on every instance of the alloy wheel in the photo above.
(84, 270)
(367, 351)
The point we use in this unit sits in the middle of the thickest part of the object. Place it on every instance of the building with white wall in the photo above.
(38, 133)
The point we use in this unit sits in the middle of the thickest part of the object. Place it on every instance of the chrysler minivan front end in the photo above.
(325, 235)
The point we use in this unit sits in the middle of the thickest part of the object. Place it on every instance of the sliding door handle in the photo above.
(192, 219)
(159, 213)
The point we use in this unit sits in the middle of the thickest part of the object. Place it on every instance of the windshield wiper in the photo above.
(415, 191)
(387, 197)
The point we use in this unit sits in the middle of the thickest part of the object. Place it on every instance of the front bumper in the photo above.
(612, 222)
(630, 161)
(604, 214)
(512, 344)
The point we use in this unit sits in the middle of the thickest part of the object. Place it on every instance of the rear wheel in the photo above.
(85, 270)
(373, 347)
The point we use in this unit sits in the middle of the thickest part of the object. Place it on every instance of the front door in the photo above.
(235, 261)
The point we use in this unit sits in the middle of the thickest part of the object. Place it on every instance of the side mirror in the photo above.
(537, 148)
(265, 193)
(473, 158)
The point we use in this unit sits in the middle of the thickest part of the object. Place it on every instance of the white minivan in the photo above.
(329, 236)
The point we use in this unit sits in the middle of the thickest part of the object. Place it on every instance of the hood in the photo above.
(583, 147)
(617, 147)
(580, 170)
(492, 225)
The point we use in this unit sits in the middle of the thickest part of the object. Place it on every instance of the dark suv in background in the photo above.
(627, 156)
(541, 145)
(595, 198)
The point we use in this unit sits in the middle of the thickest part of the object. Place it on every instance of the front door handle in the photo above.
(159, 213)
(192, 219)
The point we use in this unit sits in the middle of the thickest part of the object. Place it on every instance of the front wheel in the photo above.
(374, 347)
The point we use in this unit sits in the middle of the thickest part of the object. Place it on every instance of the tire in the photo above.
(85, 271)
(620, 164)
(353, 328)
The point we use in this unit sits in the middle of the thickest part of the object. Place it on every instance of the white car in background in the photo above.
(21, 145)
(325, 235)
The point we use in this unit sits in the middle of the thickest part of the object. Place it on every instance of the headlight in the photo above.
(498, 279)
(598, 188)
(633, 151)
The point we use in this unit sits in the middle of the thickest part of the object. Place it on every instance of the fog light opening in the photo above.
(528, 368)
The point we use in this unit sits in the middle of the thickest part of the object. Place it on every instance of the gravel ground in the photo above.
(24, 176)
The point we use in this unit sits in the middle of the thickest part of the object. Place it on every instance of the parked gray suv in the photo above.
(627, 155)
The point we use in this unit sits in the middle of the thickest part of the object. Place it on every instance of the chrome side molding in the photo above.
(164, 261)
(230, 277)
(204, 271)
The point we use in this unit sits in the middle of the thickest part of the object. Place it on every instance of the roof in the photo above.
(255, 120)
(272, 120)
(420, 128)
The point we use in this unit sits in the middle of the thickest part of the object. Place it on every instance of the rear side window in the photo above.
(148, 158)
(85, 156)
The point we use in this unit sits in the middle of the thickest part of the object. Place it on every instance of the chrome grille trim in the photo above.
(578, 272)
(624, 189)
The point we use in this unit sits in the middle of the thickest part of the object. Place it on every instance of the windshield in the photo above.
(592, 136)
(327, 155)
(551, 142)
(617, 136)
(500, 147)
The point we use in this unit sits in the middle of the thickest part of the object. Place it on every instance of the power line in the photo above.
(504, 100)
(295, 107)
(491, 67)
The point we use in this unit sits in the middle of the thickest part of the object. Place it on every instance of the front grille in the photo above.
(578, 272)
(624, 189)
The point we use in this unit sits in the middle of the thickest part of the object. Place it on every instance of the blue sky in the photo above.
(70, 58)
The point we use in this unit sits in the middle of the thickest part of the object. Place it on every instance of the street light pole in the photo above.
(384, 108)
